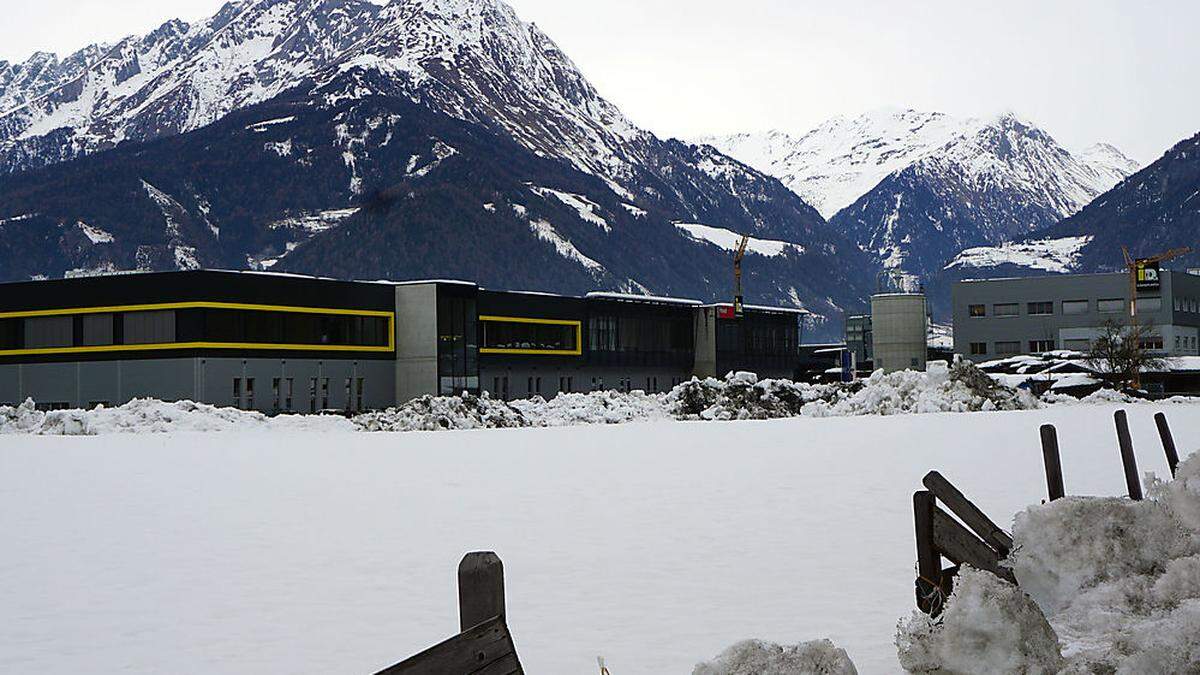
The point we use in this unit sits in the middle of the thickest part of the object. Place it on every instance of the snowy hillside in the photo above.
(1049, 255)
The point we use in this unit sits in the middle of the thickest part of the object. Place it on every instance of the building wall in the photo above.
(416, 341)
(1068, 331)
(82, 384)
(898, 331)
(523, 379)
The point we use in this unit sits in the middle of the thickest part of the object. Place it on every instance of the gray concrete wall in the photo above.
(898, 331)
(416, 341)
(209, 380)
(705, 340)
(1065, 329)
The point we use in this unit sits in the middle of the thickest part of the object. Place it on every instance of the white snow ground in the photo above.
(656, 545)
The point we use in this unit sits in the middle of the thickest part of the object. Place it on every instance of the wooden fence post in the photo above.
(1168, 442)
(1050, 456)
(1132, 482)
(929, 562)
(480, 588)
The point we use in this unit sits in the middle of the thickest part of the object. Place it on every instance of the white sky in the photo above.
(1085, 70)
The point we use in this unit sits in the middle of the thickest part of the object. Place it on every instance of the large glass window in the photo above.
(155, 327)
(1149, 304)
(49, 331)
(1006, 309)
(1038, 308)
(1110, 305)
(12, 334)
(509, 334)
(458, 348)
(96, 329)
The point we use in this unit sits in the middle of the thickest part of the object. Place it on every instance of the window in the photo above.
(312, 394)
(1078, 345)
(324, 393)
(1006, 309)
(287, 401)
(570, 384)
(977, 310)
(602, 333)
(1039, 346)
(275, 393)
(349, 392)
(529, 336)
(1110, 305)
(1075, 306)
(249, 393)
(237, 392)
(144, 328)
(457, 345)
(358, 394)
(1040, 308)
(1151, 342)
(538, 384)
(978, 348)
(12, 334)
(1008, 348)
(529, 386)
(49, 331)
(1149, 304)
(96, 329)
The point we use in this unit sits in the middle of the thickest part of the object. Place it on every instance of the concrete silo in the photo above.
(898, 325)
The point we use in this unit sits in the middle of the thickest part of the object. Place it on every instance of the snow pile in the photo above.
(436, 413)
(597, 407)
(988, 626)
(470, 411)
(1119, 581)
(147, 415)
(958, 388)
(758, 657)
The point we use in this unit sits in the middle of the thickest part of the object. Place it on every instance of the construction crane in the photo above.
(738, 306)
(1140, 271)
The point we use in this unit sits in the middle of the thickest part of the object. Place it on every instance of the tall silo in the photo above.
(898, 327)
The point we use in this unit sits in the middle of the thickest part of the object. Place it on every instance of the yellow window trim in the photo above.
(390, 316)
(577, 351)
(194, 305)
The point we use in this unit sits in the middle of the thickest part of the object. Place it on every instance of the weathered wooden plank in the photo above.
(958, 544)
(930, 586)
(970, 514)
(480, 588)
(464, 654)
(1053, 462)
(509, 665)
(1168, 441)
(1128, 460)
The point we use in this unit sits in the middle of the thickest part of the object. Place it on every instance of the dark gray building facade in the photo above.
(287, 343)
(996, 318)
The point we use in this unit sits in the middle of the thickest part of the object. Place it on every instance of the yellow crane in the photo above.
(1140, 270)
(740, 253)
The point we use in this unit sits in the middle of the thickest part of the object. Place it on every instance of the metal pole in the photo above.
(1168, 442)
(1050, 456)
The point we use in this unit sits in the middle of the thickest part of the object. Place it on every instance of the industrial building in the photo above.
(288, 343)
(995, 318)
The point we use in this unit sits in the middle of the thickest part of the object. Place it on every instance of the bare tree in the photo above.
(1120, 352)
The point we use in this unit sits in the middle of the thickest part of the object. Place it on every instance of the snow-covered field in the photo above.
(656, 544)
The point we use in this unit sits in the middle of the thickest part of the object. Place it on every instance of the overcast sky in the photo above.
(1086, 71)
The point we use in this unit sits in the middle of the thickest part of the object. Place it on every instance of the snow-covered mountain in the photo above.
(423, 127)
(843, 158)
(916, 188)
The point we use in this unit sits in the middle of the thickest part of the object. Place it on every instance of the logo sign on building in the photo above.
(1147, 277)
(725, 312)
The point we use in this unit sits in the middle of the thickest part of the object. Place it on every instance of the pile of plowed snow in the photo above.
(758, 657)
(147, 415)
(1106, 585)
(958, 388)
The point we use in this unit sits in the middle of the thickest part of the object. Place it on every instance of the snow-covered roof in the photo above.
(642, 298)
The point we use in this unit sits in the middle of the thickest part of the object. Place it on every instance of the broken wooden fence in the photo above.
(982, 543)
(484, 646)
